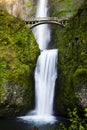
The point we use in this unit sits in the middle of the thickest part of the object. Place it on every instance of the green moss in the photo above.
(18, 55)
(62, 8)
(72, 64)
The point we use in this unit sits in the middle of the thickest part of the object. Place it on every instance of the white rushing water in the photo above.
(45, 76)
(45, 72)
(42, 32)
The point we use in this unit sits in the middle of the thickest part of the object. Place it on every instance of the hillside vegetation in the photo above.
(72, 78)
(18, 54)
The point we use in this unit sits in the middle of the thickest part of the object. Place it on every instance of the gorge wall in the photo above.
(19, 50)
(72, 82)
(20, 8)
(18, 55)
(27, 8)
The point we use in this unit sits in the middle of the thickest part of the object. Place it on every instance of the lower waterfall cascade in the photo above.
(45, 76)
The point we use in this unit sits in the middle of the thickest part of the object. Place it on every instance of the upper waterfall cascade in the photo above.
(42, 32)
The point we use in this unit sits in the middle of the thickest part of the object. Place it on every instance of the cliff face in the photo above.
(21, 8)
(64, 8)
(72, 78)
(27, 8)
(18, 55)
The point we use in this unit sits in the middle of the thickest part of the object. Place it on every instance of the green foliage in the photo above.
(76, 122)
(18, 55)
(72, 60)
(28, 3)
(62, 8)
(81, 74)
(16, 42)
(85, 110)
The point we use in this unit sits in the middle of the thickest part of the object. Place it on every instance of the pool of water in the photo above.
(20, 124)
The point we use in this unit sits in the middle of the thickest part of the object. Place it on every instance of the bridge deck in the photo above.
(34, 19)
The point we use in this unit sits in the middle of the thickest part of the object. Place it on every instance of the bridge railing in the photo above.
(46, 19)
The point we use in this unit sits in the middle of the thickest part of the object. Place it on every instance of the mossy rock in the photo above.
(18, 56)
(72, 63)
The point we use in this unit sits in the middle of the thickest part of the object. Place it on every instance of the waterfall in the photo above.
(42, 32)
(45, 76)
(45, 72)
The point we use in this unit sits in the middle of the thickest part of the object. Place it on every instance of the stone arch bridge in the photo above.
(46, 20)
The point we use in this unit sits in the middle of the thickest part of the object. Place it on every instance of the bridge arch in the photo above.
(47, 22)
(33, 22)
